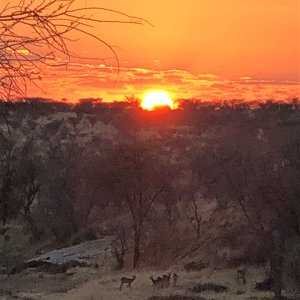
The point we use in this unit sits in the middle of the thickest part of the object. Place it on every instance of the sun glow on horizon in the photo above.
(155, 99)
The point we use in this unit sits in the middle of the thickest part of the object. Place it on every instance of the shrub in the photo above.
(176, 297)
(209, 287)
(83, 235)
(195, 266)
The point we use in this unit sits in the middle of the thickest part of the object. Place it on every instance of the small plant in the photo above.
(176, 297)
(209, 287)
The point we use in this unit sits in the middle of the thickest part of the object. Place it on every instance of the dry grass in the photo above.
(91, 284)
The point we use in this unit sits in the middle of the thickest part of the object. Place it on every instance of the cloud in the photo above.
(88, 80)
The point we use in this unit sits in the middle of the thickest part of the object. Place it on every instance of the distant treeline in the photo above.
(97, 105)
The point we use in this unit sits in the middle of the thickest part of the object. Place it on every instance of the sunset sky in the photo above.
(208, 49)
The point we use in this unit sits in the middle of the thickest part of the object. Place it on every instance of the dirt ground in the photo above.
(93, 284)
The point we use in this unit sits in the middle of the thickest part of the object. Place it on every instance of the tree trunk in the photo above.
(197, 218)
(120, 259)
(4, 214)
(277, 264)
(276, 271)
(4, 196)
(35, 231)
(198, 229)
(136, 254)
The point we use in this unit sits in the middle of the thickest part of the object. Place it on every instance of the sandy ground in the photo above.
(92, 284)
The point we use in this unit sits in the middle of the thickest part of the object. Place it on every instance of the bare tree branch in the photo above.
(49, 23)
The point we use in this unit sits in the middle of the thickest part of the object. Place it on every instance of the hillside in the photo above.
(201, 189)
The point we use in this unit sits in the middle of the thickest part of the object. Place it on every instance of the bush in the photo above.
(195, 266)
(82, 236)
(176, 297)
(209, 287)
(265, 285)
(16, 249)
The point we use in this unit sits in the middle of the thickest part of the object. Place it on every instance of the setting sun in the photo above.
(156, 99)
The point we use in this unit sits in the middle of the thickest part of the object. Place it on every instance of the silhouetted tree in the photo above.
(50, 24)
(259, 175)
(139, 179)
(8, 152)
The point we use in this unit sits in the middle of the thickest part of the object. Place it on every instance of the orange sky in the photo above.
(218, 49)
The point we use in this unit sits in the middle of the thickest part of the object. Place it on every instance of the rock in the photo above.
(75, 263)
(86, 254)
